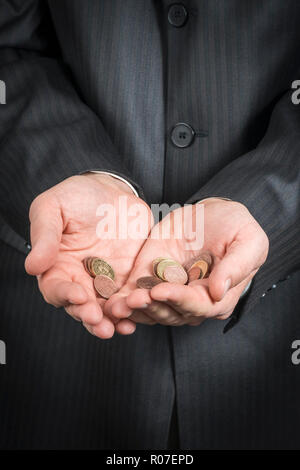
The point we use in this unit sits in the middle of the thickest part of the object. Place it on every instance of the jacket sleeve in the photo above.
(47, 133)
(267, 181)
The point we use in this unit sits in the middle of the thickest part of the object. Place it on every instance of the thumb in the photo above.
(243, 258)
(45, 230)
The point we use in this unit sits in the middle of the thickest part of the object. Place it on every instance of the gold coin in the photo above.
(162, 266)
(100, 267)
(155, 263)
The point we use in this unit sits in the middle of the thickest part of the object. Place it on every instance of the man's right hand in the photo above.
(63, 232)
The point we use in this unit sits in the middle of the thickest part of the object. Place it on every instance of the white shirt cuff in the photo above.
(214, 197)
(118, 178)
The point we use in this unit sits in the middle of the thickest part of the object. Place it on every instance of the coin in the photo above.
(105, 286)
(147, 282)
(203, 266)
(89, 261)
(86, 264)
(203, 261)
(160, 268)
(194, 274)
(175, 274)
(84, 261)
(98, 266)
(155, 263)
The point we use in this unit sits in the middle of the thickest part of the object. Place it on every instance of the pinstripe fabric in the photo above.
(100, 87)
(64, 389)
(241, 390)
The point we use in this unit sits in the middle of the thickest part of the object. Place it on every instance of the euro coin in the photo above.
(147, 282)
(155, 263)
(194, 274)
(161, 266)
(175, 274)
(105, 286)
(100, 267)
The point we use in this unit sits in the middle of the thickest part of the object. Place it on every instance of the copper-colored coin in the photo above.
(88, 264)
(203, 266)
(147, 282)
(105, 286)
(85, 264)
(194, 274)
(204, 262)
(175, 274)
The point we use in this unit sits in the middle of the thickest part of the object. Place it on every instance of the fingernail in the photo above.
(226, 287)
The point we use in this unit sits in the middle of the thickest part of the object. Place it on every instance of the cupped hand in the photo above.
(65, 229)
(238, 245)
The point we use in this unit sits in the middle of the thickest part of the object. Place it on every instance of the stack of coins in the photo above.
(169, 270)
(103, 275)
(200, 267)
(164, 270)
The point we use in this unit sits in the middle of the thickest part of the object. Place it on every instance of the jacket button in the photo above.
(182, 135)
(177, 15)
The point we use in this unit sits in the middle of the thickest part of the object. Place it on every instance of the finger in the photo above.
(164, 314)
(60, 292)
(89, 328)
(89, 312)
(140, 317)
(159, 313)
(225, 315)
(139, 299)
(143, 267)
(189, 300)
(104, 330)
(244, 256)
(194, 301)
(125, 327)
(46, 227)
(195, 322)
(117, 307)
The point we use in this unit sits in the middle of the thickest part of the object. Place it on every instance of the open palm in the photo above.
(64, 231)
(238, 245)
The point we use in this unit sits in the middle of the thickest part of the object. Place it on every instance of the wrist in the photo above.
(213, 199)
(110, 181)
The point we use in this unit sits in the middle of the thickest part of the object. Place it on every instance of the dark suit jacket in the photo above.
(99, 84)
